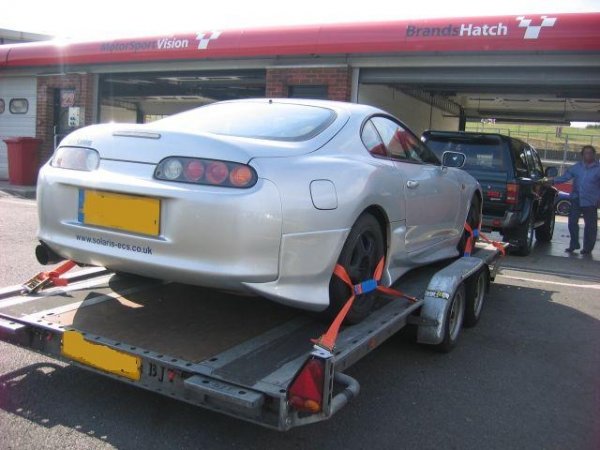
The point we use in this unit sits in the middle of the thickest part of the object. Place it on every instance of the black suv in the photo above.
(517, 197)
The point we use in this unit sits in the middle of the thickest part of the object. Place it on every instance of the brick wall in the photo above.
(83, 84)
(337, 79)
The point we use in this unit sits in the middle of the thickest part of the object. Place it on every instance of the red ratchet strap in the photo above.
(473, 233)
(329, 339)
(44, 279)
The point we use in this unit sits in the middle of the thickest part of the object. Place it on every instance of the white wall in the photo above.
(12, 125)
(414, 113)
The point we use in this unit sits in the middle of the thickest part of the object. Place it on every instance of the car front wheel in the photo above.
(473, 219)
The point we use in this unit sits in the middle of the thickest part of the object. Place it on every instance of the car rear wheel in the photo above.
(360, 255)
(563, 207)
(544, 233)
(525, 239)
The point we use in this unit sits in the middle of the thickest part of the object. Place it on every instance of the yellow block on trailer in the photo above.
(76, 347)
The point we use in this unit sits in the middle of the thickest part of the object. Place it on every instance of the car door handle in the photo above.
(411, 184)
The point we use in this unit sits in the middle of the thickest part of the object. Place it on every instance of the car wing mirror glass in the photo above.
(453, 159)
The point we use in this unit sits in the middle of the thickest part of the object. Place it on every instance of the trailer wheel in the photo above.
(454, 320)
(476, 288)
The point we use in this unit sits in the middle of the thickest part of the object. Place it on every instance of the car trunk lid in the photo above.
(147, 144)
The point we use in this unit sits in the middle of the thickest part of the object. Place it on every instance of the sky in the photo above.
(104, 19)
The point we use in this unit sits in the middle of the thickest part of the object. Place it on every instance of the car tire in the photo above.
(476, 288)
(360, 255)
(525, 239)
(454, 320)
(563, 207)
(544, 232)
(473, 219)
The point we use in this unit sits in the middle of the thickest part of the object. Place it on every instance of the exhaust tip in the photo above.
(45, 255)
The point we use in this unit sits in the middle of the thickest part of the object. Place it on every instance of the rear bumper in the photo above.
(209, 236)
(511, 219)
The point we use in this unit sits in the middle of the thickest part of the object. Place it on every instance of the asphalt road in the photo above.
(526, 377)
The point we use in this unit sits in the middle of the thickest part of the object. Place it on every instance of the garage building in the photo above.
(432, 74)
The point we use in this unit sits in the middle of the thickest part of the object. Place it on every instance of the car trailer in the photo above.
(242, 356)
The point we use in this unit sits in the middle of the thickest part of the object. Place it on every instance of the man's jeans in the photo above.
(590, 231)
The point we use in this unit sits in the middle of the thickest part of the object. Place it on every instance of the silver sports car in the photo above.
(260, 196)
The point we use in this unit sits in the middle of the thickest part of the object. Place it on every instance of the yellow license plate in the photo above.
(75, 347)
(131, 213)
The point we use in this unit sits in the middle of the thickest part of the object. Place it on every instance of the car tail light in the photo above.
(306, 391)
(194, 170)
(172, 169)
(216, 172)
(76, 158)
(240, 176)
(206, 171)
(512, 193)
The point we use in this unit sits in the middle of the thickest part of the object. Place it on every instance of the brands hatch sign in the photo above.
(203, 41)
(574, 32)
(532, 31)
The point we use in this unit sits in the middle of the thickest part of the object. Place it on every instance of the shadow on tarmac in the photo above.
(525, 377)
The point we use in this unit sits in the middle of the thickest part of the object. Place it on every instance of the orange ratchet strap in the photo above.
(473, 233)
(44, 279)
(329, 339)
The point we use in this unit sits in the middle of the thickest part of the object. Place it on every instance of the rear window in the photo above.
(272, 121)
(486, 153)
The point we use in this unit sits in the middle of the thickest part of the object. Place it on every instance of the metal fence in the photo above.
(555, 146)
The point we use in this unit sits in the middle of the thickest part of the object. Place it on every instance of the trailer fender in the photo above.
(440, 290)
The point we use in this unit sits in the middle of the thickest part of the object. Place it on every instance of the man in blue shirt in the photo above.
(585, 199)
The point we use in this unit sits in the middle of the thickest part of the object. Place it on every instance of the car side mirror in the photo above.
(551, 172)
(522, 173)
(453, 159)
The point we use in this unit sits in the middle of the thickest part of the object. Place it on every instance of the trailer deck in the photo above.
(234, 354)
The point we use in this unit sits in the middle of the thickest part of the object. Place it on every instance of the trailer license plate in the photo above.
(133, 213)
(98, 356)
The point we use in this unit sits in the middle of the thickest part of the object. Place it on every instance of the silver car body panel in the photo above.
(282, 237)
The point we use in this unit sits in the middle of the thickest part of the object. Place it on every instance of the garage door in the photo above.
(556, 94)
(17, 113)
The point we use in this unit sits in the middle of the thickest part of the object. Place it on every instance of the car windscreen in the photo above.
(257, 120)
(483, 153)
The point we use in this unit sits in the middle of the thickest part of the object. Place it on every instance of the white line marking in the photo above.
(558, 283)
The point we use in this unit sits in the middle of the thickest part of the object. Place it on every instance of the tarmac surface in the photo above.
(528, 376)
